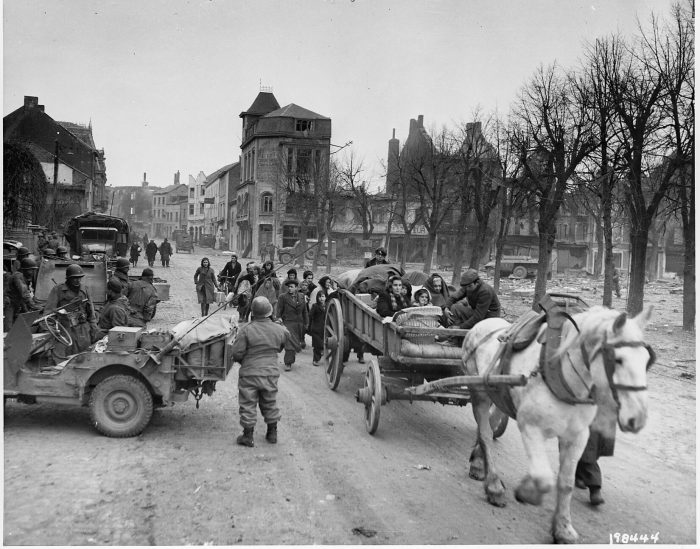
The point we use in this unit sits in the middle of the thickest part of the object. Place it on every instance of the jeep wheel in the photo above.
(121, 406)
(285, 257)
(323, 260)
(520, 272)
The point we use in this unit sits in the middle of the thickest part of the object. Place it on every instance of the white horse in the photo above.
(606, 352)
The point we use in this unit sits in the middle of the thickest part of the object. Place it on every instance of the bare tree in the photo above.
(349, 171)
(555, 116)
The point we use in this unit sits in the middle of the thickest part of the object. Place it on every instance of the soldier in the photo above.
(19, 299)
(151, 250)
(256, 347)
(79, 318)
(42, 242)
(62, 252)
(121, 273)
(143, 298)
(53, 241)
(21, 254)
(116, 310)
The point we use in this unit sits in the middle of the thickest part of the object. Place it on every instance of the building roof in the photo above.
(218, 173)
(82, 132)
(170, 188)
(264, 103)
(294, 111)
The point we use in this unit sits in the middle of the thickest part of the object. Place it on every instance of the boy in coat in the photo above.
(291, 311)
(256, 347)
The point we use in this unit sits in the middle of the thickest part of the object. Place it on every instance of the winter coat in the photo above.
(123, 279)
(483, 301)
(231, 270)
(165, 249)
(151, 250)
(143, 298)
(385, 305)
(438, 296)
(292, 311)
(114, 313)
(205, 283)
(317, 319)
(256, 347)
(135, 251)
(81, 322)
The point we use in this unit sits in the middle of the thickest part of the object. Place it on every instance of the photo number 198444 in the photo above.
(617, 537)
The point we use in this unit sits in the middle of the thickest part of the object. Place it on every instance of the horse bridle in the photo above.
(608, 352)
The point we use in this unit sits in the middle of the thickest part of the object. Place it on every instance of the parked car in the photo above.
(312, 248)
(520, 264)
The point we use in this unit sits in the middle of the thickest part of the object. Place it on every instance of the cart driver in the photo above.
(76, 312)
(481, 302)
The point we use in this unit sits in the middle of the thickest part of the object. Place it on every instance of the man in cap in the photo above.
(256, 347)
(292, 312)
(121, 273)
(76, 312)
(19, 299)
(116, 310)
(378, 259)
(143, 298)
(474, 301)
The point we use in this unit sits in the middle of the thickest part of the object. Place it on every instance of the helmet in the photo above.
(74, 270)
(122, 262)
(22, 252)
(261, 307)
(114, 286)
(27, 263)
(61, 250)
(147, 272)
(49, 251)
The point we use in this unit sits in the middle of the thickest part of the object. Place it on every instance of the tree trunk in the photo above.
(600, 245)
(608, 243)
(429, 249)
(547, 236)
(404, 250)
(635, 290)
(479, 242)
(460, 245)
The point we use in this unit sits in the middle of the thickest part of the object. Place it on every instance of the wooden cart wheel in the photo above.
(373, 384)
(333, 343)
(498, 421)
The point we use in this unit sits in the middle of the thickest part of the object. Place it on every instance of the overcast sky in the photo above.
(164, 81)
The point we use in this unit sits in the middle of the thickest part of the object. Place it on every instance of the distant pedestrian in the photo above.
(151, 250)
(378, 259)
(271, 251)
(135, 253)
(263, 253)
(166, 250)
(145, 240)
(616, 281)
(205, 284)
(256, 347)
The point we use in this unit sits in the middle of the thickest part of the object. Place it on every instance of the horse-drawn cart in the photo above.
(409, 363)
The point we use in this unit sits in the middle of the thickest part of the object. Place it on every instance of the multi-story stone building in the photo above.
(170, 207)
(216, 199)
(135, 204)
(280, 147)
(68, 157)
(195, 206)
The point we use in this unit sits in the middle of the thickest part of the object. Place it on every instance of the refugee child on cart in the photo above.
(256, 348)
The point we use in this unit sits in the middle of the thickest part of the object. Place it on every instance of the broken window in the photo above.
(304, 125)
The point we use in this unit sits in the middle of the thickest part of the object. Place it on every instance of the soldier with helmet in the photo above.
(19, 299)
(62, 252)
(256, 347)
(121, 273)
(22, 252)
(116, 310)
(379, 257)
(79, 317)
(143, 298)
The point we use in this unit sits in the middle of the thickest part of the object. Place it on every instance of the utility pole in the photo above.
(55, 186)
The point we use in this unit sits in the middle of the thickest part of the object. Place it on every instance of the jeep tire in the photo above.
(121, 406)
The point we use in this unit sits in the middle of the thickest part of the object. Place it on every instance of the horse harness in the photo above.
(608, 352)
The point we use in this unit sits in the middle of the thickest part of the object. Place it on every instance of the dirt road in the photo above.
(184, 481)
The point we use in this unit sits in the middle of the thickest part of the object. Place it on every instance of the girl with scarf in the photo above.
(205, 284)
(391, 301)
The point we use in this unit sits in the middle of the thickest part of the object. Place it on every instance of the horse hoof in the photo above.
(477, 472)
(495, 491)
(527, 492)
(497, 499)
(565, 534)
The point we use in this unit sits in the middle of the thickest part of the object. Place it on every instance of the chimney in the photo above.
(420, 120)
(177, 177)
(30, 102)
(144, 183)
(392, 163)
